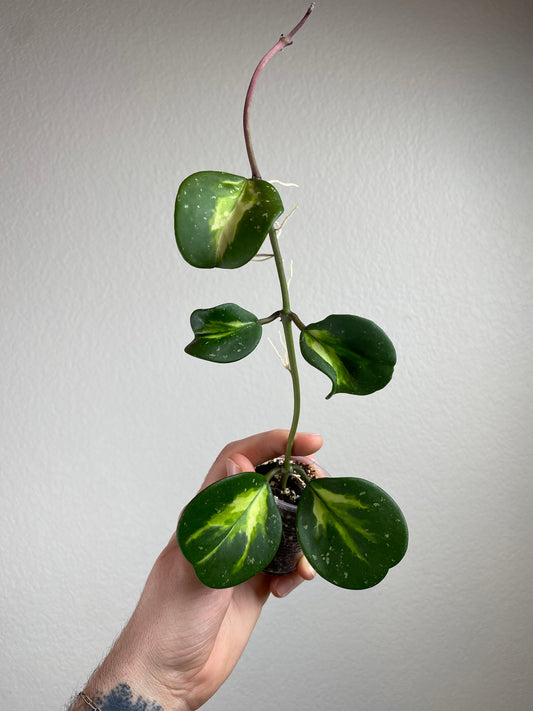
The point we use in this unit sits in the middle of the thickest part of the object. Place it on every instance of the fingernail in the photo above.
(309, 572)
(285, 585)
(232, 467)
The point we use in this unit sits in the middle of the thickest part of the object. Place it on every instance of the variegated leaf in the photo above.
(231, 530)
(221, 219)
(351, 531)
(355, 353)
(224, 334)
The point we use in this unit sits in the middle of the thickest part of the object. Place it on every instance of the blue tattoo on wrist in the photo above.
(121, 699)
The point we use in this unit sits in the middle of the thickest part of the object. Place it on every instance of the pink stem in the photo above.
(284, 41)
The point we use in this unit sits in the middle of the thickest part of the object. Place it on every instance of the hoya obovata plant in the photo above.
(350, 530)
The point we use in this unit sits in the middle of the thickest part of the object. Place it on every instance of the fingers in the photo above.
(305, 570)
(259, 448)
(282, 585)
(238, 463)
(243, 455)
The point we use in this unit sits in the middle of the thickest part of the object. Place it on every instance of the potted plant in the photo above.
(351, 531)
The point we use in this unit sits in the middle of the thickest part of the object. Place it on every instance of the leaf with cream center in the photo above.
(355, 353)
(224, 334)
(231, 530)
(221, 219)
(351, 531)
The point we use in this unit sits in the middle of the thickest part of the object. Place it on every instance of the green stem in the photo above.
(286, 320)
(269, 319)
(286, 315)
(298, 322)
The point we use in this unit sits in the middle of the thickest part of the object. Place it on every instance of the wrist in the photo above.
(121, 686)
(121, 697)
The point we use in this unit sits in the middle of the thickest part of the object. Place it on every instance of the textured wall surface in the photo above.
(408, 127)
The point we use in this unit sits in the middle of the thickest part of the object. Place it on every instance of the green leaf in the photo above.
(224, 334)
(351, 531)
(353, 352)
(231, 530)
(221, 220)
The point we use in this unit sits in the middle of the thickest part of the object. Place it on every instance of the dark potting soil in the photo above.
(289, 551)
(295, 484)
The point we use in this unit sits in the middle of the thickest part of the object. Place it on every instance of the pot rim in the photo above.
(298, 459)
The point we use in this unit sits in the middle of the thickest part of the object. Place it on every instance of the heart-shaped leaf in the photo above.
(224, 334)
(351, 531)
(221, 220)
(231, 530)
(353, 352)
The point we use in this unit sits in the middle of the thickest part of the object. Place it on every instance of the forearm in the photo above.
(120, 698)
(123, 683)
(127, 695)
(184, 639)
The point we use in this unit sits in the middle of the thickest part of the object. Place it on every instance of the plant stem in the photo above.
(269, 319)
(284, 41)
(286, 320)
(286, 315)
(298, 322)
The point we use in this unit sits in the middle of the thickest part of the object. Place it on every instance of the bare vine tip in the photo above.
(284, 41)
(302, 21)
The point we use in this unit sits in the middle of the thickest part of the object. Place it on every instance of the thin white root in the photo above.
(290, 275)
(290, 214)
(285, 185)
(284, 360)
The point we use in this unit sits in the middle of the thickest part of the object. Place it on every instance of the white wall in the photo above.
(408, 126)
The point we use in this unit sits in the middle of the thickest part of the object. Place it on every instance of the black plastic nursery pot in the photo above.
(289, 551)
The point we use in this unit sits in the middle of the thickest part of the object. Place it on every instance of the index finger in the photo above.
(262, 447)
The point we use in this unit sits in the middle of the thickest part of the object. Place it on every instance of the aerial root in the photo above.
(284, 359)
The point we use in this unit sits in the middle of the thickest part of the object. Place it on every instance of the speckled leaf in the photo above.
(231, 530)
(221, 220)
(351, 531)
(353, 352)
(224, 334)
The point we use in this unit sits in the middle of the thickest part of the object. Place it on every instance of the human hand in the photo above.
(184, 639)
